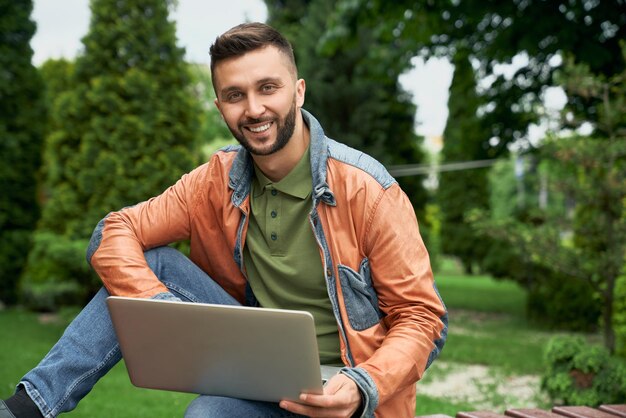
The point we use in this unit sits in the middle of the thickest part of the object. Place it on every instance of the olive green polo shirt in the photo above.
(281, 255)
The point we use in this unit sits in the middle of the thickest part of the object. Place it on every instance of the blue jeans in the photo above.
(88, 348)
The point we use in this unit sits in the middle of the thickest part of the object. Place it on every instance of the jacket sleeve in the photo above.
(414, 314)
(120, 239)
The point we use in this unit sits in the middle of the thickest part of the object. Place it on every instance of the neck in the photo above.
(277, 165)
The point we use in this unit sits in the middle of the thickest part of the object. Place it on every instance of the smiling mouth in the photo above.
(259, 129)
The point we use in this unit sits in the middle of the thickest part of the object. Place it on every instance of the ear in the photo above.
(300, 92)
(216, 102)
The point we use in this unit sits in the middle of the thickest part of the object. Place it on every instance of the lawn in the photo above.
(32, 335)
(488, 334)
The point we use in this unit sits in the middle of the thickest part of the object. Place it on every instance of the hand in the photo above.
(341, 398)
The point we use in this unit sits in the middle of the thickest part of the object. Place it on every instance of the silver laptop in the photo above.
(243, 352)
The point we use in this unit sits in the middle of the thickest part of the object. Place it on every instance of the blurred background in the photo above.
(504, 122)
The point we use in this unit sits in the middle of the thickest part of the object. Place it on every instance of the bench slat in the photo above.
(479, 414)
(619, 410)
(581, 412)
(531, 413)
(435, 416)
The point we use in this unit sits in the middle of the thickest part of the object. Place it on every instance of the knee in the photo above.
(205, 407)
(164, 261)
(162, 252)
(159, 256)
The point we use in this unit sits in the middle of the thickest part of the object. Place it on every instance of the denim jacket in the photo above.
(392, 323)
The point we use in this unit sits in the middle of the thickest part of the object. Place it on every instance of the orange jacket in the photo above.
(391, 320)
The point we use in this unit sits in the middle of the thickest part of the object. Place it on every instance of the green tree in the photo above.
(127, 129)
(57, 75)
(588, 242)
(213, 132)
(593, 176)
(497, 33)
(352, 83)
(22, 117)
(465, 138)
(523, 190)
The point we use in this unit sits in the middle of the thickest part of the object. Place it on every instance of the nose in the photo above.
(255, 107)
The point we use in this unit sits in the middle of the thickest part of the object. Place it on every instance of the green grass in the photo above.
(487, 327)
(504, 342)
(487, 323)
(481, 294)
(430, 406)
(114, 396)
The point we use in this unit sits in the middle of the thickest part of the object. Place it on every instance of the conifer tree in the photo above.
(21, 132)
(460, 192)
(353, 84)
(127, 129)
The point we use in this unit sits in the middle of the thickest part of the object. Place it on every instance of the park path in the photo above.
(482, 386)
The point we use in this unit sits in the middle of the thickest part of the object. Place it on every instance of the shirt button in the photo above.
(274, 214)
(274, 192)
(274, 236)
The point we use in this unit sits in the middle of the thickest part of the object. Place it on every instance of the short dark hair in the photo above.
(248, 37)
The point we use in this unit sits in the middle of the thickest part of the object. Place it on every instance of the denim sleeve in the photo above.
(367, 387)
(96, 239)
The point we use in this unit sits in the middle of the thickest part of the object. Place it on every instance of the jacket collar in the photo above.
(242, 170)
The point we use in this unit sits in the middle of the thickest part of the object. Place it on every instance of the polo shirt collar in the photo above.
(297, 183)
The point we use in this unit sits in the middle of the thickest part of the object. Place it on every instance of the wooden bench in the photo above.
(604, 411)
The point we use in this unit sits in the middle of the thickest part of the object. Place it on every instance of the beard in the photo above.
(284, 126)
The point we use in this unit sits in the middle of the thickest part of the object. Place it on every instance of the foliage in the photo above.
(578, 373)
(21, 136)
(212, 127)
(498, 33)
(431, 234)
(586, 242)
(561, 301)
(459, 193)
(56, 257)
(619, 318)
(124, 130)
(57, 77)
(352, 82)
(521, 190)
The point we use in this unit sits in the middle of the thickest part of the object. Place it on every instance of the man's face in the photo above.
(259, 97)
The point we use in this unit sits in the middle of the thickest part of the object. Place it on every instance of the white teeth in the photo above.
(261, 128)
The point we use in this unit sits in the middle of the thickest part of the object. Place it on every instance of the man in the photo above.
(290, 219)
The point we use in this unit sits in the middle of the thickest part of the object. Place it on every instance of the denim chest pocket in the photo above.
(359, 296)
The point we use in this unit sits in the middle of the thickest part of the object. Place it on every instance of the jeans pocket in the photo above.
(359, 296)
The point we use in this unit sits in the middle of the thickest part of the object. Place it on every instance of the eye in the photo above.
(233, 96)
(268, 88)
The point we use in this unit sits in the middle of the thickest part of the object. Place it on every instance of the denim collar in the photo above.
(242, 170)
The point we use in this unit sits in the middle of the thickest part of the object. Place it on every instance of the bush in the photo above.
(578, 373)
(430, 229)
(14, 245)
(619, 315)
(563, 302)
(57, 273)
(22, 122)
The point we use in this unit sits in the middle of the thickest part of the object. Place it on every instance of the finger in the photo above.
(336, 393)
(340, 399)
(312, 411)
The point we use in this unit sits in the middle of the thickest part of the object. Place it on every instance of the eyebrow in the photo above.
(275, 80)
